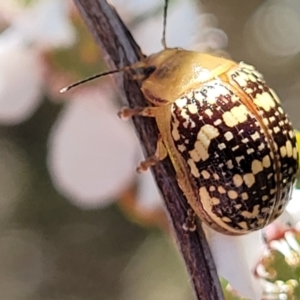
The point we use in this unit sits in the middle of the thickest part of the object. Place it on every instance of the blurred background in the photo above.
(76, 222)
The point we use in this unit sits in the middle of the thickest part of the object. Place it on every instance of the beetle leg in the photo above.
(127, 112)
(160, 154)
(190, 222)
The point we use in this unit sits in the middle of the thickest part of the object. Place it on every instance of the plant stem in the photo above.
(119, 50)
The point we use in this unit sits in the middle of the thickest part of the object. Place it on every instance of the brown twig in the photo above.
(120, 50)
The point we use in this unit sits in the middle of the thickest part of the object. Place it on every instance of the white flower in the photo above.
(236, 258)
(43, 26)
(92, 153)
(20, 81)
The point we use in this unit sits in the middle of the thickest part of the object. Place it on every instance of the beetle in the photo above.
(230, 142)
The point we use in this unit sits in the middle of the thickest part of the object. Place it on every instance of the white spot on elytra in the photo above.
(204, 137)
(237, 180)
(226, 219)
(221, 190)
(181, 148)
(239, 158)
(265, 101)
(266, 161)
(272, 119)
(236, 115)
(229, 164)
(254, 213)
(289, 148)
(295, 153)
(243, 225)
(221, 146)
(265, 120)
(182, 102)
(209, 112)
(240, 113)
(283, 151)
(256, 166)
(218, 122)
(205, 174)
(228, 136)
(291, 134)
(240, 81)
(216, 176)
(215, 92)
(249, 151)
(193, 168)
(232, 194)
(206, 199)
(249, 179)
(244, 196)
(215, 201)
(198, 96)
(229, 119)
(175, 132)
(255, 136)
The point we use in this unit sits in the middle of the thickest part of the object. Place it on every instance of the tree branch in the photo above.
(120, 50)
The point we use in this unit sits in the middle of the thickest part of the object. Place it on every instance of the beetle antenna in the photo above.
(67, 88)
(165, 24)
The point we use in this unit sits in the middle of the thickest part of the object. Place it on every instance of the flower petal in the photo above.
(46, 25)
(20, 81)
(236, 258)
(92, 154)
